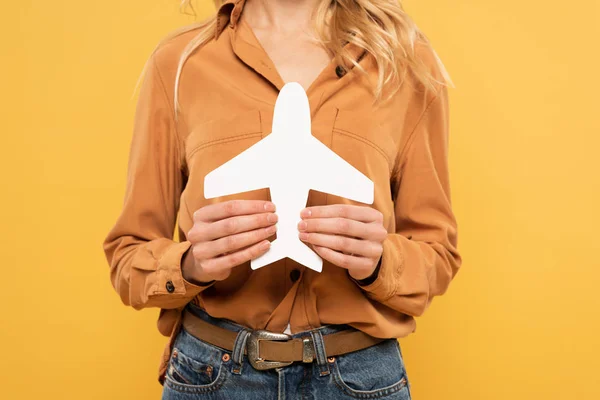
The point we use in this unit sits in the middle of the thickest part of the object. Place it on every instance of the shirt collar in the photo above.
(228, 14)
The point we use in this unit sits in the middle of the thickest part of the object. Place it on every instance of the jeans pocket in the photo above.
(194, 366)
(375, 372)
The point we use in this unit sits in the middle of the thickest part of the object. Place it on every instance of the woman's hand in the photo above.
(348, 236)
(225, 235)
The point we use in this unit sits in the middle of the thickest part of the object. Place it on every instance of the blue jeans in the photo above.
(199, 370)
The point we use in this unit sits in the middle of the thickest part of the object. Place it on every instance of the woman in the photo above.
(378, 98)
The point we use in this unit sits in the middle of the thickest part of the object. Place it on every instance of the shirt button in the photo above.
(340, 71)
(294, 275)
(170, 287)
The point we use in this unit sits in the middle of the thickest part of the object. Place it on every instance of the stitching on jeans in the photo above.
(174, 373)
(337, 378)
(321, 356)
(211, 387)
(305, 382)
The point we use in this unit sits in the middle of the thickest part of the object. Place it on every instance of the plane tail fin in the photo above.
(296, 250)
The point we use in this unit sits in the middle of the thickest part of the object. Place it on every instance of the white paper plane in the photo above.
(290, 162)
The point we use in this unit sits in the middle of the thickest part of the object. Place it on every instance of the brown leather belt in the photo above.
(266, 350)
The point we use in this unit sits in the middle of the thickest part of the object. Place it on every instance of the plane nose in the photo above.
(293, 87)
(292, 110)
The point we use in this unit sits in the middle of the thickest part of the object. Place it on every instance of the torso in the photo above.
(227, 94)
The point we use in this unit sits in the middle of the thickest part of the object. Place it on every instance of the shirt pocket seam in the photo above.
(209, 143)
(341, 127)
(364, 140)
(246, 124)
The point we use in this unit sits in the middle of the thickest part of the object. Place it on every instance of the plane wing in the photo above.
(334, 175)
(252, 170)
(245, 172)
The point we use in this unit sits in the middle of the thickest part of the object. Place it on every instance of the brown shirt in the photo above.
(227, 94)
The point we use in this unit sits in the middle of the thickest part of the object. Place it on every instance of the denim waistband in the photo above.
(233, 326)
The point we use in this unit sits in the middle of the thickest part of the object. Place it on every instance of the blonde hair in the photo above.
(380, 27)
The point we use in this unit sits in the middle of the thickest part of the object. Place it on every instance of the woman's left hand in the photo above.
(348, 236)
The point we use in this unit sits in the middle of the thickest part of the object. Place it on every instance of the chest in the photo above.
(228, 102)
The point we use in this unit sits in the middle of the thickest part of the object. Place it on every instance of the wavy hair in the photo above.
(380, 27)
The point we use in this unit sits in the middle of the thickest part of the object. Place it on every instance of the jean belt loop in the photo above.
(320, 353)
(237, 355)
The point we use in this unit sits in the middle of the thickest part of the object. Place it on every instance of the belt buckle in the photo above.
(254, 347)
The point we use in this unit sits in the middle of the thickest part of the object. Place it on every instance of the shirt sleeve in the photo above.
(144, 260)
(420, 258)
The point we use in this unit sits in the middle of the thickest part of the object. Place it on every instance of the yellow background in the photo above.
(520, 321)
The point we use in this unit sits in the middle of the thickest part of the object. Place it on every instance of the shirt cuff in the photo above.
(383, 286)
(371, 278)
(191, 284)
(171, 282)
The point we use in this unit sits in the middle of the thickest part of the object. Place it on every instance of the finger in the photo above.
(349, 211)
(343, 244)
(234, 225)
(231, 244)
(239, 257)
(226, 209)
(343, 260)
(343, 226)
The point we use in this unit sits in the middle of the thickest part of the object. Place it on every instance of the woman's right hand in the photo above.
(225, 235)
